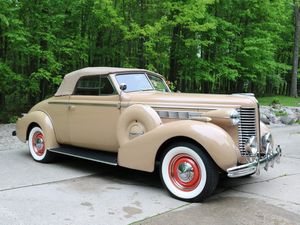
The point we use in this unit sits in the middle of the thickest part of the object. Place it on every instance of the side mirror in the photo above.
(123, 86)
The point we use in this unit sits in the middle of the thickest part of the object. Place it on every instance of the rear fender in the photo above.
(140, 152)
(42, 120)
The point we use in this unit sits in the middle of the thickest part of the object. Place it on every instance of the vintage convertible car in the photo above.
(130, 118)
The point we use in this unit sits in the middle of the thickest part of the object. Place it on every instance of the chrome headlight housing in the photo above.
(251, 146)
(267, 138)
(235, 117)
(267, 142)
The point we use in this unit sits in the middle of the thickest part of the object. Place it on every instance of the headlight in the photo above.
(267, 142)
(235, 117)
(251, 145)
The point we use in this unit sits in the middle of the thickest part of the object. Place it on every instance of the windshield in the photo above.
(142, 82)
(158, 83)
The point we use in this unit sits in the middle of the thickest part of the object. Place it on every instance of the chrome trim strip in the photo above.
(125, 105)
(258, 130)
(181, 107)
(58, 103)
(95, 104)
(178, 114)
(87, 104)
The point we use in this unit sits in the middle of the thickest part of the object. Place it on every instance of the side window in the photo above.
(105, 86)
(94, 85)
(88, 86)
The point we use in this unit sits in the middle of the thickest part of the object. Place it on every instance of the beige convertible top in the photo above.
(70, 79)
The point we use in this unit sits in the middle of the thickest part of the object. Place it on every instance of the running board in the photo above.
(83, 153)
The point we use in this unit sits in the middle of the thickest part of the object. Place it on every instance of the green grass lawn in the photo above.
(283, 100)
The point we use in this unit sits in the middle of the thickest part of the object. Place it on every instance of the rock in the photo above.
(276, 120)
(273, 118)
(289, 111)
(288, 120)
(264, 119)
(276, 106)
(264, 109)
(277, 114)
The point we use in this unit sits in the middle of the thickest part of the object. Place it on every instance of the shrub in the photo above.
(13, 119)
(281, 113)
(275, 101)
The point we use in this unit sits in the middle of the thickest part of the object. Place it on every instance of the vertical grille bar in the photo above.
(247, 128)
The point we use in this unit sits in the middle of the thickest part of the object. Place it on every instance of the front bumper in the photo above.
(254, 167)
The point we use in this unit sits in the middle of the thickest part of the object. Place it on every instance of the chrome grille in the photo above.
(246, 128)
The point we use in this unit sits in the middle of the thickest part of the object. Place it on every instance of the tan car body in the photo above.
(133, 124)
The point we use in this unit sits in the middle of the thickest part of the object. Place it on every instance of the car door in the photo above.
(57, 109)
(93, 114)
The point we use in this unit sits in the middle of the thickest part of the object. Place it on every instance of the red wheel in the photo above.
(184, 172)
(37, 145)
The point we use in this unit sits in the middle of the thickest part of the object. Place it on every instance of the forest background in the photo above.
(203, 46)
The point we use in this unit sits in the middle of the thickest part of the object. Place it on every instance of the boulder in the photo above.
(285, 115)
(289, 111)
(264, 119)
(288, 120)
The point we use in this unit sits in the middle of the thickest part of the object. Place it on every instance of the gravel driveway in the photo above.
(7, 142)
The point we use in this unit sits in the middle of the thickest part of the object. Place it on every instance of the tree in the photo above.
(215, 46)
(294, 92)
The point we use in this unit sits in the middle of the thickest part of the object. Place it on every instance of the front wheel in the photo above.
(37, 146)
(188, 173)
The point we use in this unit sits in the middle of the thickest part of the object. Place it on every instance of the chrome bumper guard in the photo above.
(254, 167)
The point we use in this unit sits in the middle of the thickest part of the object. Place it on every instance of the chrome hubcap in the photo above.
(185, 172)
(39, 144)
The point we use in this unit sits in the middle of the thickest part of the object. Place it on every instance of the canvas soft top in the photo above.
(70, 79)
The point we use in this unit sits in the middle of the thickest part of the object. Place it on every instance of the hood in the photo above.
(186, 100)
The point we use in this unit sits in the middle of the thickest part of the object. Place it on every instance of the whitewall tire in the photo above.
(37, 145)
(187, 172)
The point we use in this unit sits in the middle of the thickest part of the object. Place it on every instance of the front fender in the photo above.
(42, 120)
(140, 152)
(263, 129)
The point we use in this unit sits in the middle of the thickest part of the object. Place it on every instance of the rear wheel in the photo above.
(37, 146)
(187, 172)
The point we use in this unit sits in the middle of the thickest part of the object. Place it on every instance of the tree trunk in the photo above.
(173, 74)
(141, 40)
(2, 101)
(293, 92)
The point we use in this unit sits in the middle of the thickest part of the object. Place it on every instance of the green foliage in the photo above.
(217, 46)
(283, 100)
(13, 119)
(172, 85)
(281, 113)
(275, 101)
